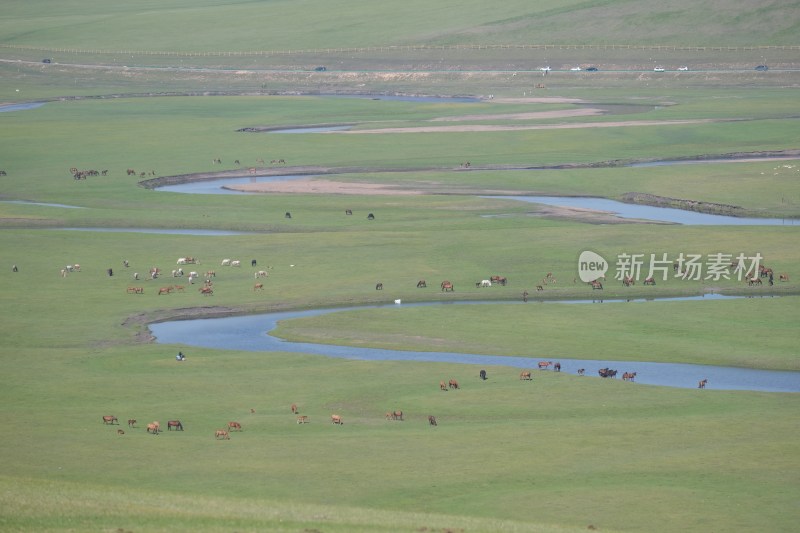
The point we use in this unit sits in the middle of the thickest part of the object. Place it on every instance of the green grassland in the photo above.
(562, 453)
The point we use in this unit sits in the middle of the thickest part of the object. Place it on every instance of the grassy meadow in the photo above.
(562, 453)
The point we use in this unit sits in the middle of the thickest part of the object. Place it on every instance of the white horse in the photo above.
(236, 263)
(485, 283)
(226, 262)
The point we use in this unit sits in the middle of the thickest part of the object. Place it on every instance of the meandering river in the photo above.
(252, 333)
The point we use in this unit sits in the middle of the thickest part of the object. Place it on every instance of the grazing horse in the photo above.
(754, 281)
(500, 280)
(174, 424)
(370, 217)
(379, 287)
(294, 409)
(447, 286)
(397, 415)
(302, 419)
(607, 373)
(443, 386)
(783, 277)
(557, 367)
(164, 290)
(483, 374)
(206, 291)
(525, 374)
(110, 419)
(120, 432)
(258, 286)
(650, 281)
(453, 384)
(421, 284)
(348, 211)
(543, 365)
(702, 384)
(336, 419)
(596, 285)
(131, 422)
(234, 426)
(222, 434)
(287, 215)
(154, 428)
(432, 420)
(483, 283)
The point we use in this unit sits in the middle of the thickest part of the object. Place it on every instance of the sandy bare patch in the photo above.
(538, 100)
(322, 186)
(484, 127)
(532, 115)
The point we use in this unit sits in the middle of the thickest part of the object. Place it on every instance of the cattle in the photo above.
(443, 386)
(222, 434)
(525, 375)
(234, 426)
(453, 384)
(483, 374)
(483, 283)
(447, 286)
(543, 365)
(174, 424)
(336, 419)
(110, 419)
(258, 287)
(131, 422)
(702, 384)
(302, 419)
(432, 420)
(294, 409)
(421, 284)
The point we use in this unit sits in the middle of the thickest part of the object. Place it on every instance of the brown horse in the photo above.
(453, 384)
(174, 424)
(543, 365)
(525, 374)
(302, 419)
(154, 428)
(421, 284)
(501, 280)
(294, 409)
(131, 422)
(234, 426)
(397, 415)
(629, 376)
(258, 286)
(783, 277)
(336, 419)
(432, 420)
(702, 384)
(110, 419)
(222, 434)
(442, 386)
(447, 286)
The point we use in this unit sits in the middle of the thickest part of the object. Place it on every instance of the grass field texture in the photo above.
(561, 453)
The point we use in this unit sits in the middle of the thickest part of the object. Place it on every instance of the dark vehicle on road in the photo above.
(762, 67)
(320, 69)
(591, 69)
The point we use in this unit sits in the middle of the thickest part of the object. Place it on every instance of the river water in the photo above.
(252, 333)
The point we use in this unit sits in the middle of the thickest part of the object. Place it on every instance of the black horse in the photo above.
(483, 374)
